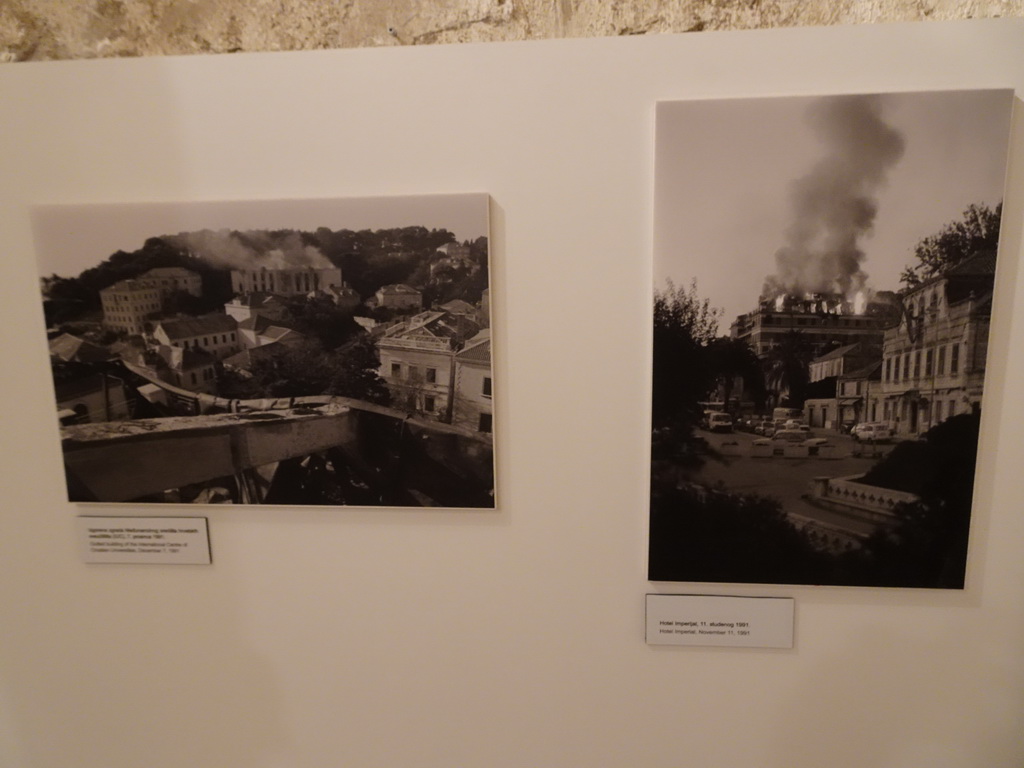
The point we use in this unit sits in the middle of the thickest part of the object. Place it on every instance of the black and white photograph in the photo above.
(824, 272)
(292, 352)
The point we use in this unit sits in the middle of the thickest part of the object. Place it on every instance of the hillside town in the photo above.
(171, 342)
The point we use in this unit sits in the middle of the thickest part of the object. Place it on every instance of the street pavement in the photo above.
(788, 479)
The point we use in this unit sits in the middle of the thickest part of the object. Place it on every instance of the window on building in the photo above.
(896, 368)
(431, 375)
(487, 390)
(917, 364)
(928, 363)
(954, 359)
(429, 404)
(396, 370)
(938, 411)
(888, 369)
(485, 422)
(942, 361)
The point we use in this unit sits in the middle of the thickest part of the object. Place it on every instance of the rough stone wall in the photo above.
(81, 29)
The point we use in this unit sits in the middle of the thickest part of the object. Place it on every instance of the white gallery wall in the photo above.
(515, 637)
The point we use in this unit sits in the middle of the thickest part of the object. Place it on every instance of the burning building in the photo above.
(823, 321)
(819, 288)
(287, 281)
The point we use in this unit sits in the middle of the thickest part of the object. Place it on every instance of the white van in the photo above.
(872, 431)
(719, 422)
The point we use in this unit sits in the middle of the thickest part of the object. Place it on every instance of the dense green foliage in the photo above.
(703, 535)
(321, 319)
(786, 371)
(684, 325)
(124, 265)
(927, 545)
(369, 259)
(977, 230)
(308, 369)
(372, 258)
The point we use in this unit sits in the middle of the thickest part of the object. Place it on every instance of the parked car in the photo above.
(783, 436)
(791, 435)
(871, 431)
(746, 423)
(720, 422)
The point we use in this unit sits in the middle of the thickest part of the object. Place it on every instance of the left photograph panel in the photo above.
(292, 352)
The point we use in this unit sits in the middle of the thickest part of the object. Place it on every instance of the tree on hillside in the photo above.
(307, 369)
(684, 324)
(786, 371)
(977, 230)
(77, 295)
(322, 319)
(734, 358)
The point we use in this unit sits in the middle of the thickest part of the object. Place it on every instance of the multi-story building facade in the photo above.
(849, 357)
(933, 363)
(215, 334)
(288, 282)
(417, 361)
(456, 257)
(260, 331)
(247, 305)
(128, 304)
(186, 368)
(456, 250)
(858, 395)
(820, 322)
(474, 386)
(399, 296)
(342, 295)
(171, 279)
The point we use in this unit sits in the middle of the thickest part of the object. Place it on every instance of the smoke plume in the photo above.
(834, 204)
(253, 249)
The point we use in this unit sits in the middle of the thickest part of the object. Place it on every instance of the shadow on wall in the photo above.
(122, 665)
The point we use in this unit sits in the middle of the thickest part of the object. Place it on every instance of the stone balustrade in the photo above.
(880, 503)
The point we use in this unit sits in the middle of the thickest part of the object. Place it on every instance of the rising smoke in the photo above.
(230, 249)
(834, 204)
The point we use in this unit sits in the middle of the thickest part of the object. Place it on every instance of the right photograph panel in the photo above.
(824, 271)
